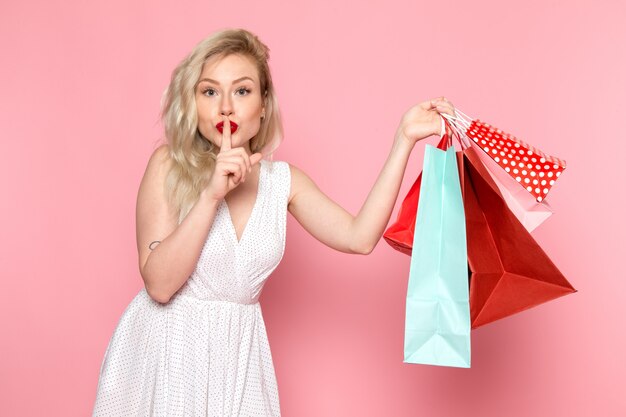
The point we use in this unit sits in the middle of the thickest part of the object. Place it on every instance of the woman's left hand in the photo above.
(423, 120)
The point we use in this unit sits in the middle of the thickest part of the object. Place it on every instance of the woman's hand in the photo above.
(231, 166)
(423, 120)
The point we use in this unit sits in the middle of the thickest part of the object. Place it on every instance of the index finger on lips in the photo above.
(226, 141)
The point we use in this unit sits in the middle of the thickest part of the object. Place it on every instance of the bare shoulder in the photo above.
(160, 157)
(320, 215)
(158, 165)
(154, 219)
(300, 182)
(153, 181)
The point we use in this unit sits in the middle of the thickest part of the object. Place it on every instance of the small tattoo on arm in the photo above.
(150, 245)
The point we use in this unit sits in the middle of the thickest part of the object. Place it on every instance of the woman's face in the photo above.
(230, 86)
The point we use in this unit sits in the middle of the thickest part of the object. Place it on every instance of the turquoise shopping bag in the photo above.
(437, 325)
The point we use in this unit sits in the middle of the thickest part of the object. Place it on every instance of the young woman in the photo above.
(211, 217)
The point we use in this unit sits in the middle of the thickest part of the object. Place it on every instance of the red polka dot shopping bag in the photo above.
(533, 169)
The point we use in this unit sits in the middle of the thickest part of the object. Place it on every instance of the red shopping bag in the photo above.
(509, 272)
(533, 169)
(400, 234)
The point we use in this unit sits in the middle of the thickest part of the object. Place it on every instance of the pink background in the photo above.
(81, 84)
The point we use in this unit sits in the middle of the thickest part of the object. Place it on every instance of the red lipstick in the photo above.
(233, 127)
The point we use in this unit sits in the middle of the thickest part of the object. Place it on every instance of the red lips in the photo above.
(233, 127)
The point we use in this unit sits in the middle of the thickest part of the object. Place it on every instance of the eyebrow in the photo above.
(234, 81)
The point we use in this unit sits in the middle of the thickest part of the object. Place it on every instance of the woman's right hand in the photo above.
(231, 166)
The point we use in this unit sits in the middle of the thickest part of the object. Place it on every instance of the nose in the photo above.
(226, 106)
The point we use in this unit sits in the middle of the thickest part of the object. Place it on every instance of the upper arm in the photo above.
(154, 219)
(324, 219)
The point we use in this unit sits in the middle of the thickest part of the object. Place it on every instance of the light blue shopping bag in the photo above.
(437, 326)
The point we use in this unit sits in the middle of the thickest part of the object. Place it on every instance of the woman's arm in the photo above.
(334, 226)
(166, 267)
(169, 264)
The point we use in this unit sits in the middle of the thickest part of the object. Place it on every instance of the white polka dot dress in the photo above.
(206, 351)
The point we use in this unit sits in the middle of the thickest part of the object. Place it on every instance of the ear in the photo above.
(264, 102)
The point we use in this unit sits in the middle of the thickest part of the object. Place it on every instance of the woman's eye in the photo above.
(211, 92)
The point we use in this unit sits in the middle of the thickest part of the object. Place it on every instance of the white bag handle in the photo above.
(443, 126)
(460, 122)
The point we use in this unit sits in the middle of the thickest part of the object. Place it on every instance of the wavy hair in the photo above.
(193, 157)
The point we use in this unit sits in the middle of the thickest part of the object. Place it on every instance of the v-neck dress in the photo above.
(205, 352)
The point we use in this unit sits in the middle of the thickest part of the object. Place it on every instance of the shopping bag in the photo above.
(400, 234)
(437, 325)
(509, 272)
(530, 212)
(498, 287)
(533, 169)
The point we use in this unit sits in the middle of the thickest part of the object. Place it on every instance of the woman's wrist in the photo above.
(402, 145)
(208, 198)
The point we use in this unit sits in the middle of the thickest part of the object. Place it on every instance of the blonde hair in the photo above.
(192, 156)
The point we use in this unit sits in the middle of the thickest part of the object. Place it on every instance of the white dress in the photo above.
(205, 352)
